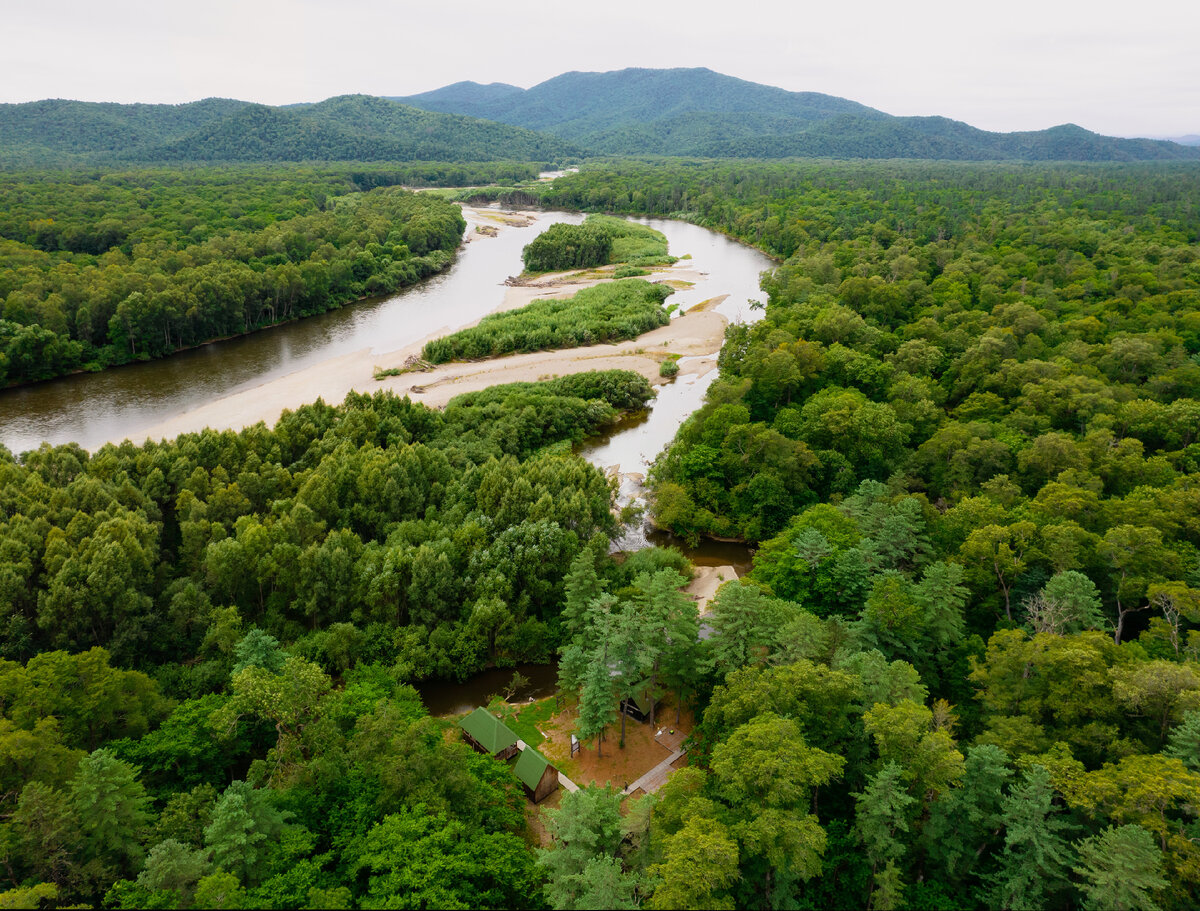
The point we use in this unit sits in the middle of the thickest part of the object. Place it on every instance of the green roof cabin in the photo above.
(488, 734)
(536, 774)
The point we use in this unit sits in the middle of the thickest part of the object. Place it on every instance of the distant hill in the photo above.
(681, 112)
(703, 113)
(1191, 139)
(585, 106)
(345, 128)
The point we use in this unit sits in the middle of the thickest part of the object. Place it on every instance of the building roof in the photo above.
(641, 697)
(488, 731)
(530, 767)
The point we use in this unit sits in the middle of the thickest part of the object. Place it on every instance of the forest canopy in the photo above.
(964, 670)
(97, 270)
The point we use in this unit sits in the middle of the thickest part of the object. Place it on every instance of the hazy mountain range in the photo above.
(687, 112)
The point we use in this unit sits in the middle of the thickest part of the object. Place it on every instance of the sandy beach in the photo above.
(696, 334)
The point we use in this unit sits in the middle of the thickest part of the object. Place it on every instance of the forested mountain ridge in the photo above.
(693, 112)
(343, 128)
(700, 112)
(579, 105)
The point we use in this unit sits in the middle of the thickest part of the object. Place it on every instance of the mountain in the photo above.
(580, 105)
(61, 131)
(682, 112)
(345, 128)
(358, 128)
(703, 113)
(1191, 139)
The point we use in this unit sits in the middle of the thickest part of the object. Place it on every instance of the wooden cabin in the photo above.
(638, 705)
(488, 734)
(536, 775)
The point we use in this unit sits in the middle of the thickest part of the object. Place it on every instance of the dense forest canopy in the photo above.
(963, 672)
(58, 133)
(599, 315)
(104, 268)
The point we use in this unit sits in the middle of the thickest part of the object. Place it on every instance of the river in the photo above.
(92, 408)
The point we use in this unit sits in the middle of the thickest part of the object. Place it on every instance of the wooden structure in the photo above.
(488, 734)
(536, 775)
(638, 705)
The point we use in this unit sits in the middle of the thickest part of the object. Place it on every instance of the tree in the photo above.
(1068, 603)
(701, 862)
(999, 551)
(1135, 553)
(766, 775)
(416, 859)
(1160, 690)
(111, 809)
(905, 735)
(943, 595)
(745, 622)
(586, 834)
(219, 891)
(597, 699)
(1184, 742)
(1121, 870)
(582, 588)
(964, 821)
(47, 833)
(175, 867)
(881, 818)
(244, 829)
(258, 648)
(1036, 855)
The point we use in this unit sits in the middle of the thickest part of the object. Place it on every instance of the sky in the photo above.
(1119, 68)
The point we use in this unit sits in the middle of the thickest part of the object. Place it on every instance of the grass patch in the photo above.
(525, 720)
(412, 365)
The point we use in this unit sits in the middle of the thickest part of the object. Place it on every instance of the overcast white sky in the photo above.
(1122, 68)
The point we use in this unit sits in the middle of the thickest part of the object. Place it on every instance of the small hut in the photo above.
(488, 734)
(536, 774)
(637, 706)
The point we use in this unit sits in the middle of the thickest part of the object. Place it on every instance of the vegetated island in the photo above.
(614, 311)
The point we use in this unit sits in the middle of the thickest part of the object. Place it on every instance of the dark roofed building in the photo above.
(536, 774)
(488, 734)
(638, 705)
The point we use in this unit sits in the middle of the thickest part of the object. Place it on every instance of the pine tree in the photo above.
(1121, 869)
(243, 830)
(111, 808)
(597, 700)
(1184, 742)
(1036, 856)
(881, 818)
(582, 587)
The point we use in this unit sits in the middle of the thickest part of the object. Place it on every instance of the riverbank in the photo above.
(697, 335)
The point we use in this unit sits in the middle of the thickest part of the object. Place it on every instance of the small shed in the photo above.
(637, 706)
(488, 734)
(534, 771)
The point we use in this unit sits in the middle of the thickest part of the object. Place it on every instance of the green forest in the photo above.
(611, 312)
(600, 240)
(964, 671)
(56, 133)
(102, 269)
